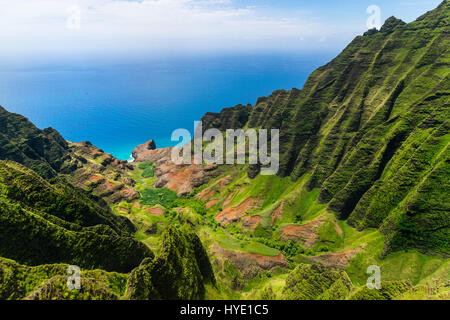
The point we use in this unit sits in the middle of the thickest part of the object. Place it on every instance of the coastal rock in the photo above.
(306, 234)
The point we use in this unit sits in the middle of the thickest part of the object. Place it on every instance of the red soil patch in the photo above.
(228, 200)
(211, 203)
(155, 211)
(108, 185)
(251, 263)
(208, 192)
(250, 223)
(106, 189)
(137, 205)
(233, 214)
(95, 179)
(223, 182)
(338, 229)
(277, 213)
(183, 181)
(268, 262)
(124, 210)
(337, 260)
(181, 178)
(306, 234)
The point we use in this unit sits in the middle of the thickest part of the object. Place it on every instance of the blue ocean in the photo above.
(118, 105)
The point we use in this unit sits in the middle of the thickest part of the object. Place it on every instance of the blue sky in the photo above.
(110, 27)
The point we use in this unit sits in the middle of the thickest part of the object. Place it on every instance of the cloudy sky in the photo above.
(89, 27)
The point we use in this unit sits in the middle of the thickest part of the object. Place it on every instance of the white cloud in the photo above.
(28, 26)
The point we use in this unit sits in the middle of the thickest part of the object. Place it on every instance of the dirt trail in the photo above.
(249, 264)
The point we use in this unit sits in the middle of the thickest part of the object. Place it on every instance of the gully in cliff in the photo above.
(209, 147)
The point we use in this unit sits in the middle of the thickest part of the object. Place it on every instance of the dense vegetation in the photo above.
(364, 180)
(44, 151)
(183, 260)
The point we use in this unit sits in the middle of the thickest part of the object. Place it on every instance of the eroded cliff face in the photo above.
(102, 174)
(44, 151)
(364, 143)
(371, 129)
(42, 223)
(180, 271)
(182, 179)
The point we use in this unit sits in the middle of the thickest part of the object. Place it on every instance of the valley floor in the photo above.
(257, 232)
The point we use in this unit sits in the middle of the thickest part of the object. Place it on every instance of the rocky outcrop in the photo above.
(139, 153)
(181, 178)
(316, 282)
(250, 223)
(370, 129)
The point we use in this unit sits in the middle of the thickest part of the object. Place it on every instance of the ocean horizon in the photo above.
(117, 106)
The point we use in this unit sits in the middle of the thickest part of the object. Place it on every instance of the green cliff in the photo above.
(371, 129)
